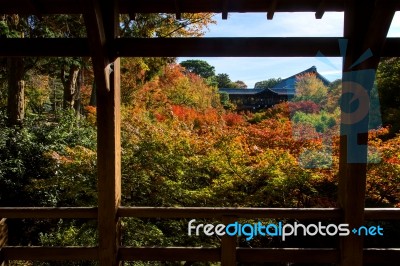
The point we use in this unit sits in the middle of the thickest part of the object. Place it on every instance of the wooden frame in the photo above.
(199, 47)
(366, 26)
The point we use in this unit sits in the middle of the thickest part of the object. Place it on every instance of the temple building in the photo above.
(257, 99)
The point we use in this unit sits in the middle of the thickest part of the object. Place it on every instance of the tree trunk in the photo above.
(16, 91)
(93, 96)
(70, 87)
(77, 96)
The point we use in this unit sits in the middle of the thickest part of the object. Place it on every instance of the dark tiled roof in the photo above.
(241, 91)
(281, 91)
(290, 82)
(285, 87)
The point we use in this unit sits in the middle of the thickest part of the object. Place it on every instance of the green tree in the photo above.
(240, 84)
(224, 81)
(310, 88)
(199, 67)
(388, 82)
(265, 84)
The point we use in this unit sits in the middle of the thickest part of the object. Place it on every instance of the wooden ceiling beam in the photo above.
(168, 6)
(225, 9)
(95, 25)
(201, 47)
(186, 6)
(320, 10)
(271, 9)
(229, 47)
(178, 14)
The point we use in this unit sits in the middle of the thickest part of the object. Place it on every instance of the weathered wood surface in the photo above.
(49, 212)
(366, 23)
(199, 47)
(3, 240)
(218, 213)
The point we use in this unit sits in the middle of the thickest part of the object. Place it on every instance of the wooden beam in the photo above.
(382, 256)
(97, 41)
(132, 16)
(167, 6)
(200, 47)
(221, 47)
(366, 25)
(49, 212)
(218, 213)
(45, 47)
(225, 9)
(216, 6)
(382, 214)
(320, 10)
(3, 240)
(271, 9)
(170, 254)
(50, 253)
(177, 10)
(284, 255)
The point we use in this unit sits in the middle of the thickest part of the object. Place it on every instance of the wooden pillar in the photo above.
(102, 23)
(228, 245)
(365, 29)
(3, 239)
(109, 168)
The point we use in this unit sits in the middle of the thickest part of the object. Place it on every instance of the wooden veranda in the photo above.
(366, 23)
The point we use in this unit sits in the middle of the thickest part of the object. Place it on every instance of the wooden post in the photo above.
(3, 239)
(102, 23)
(109, 167)
(365, 29)
(228, 245)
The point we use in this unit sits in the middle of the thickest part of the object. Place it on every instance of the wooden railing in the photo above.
(228, 253)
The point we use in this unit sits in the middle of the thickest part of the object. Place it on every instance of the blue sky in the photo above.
(251, 70)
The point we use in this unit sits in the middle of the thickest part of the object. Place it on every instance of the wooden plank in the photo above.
(97, 41)
(50, 253)
(165, 212)
(320, 10)
(3, 240)
(49, 212)
(218, 213)
(271, 9)
(224, 47)
(381, 256)
(45, 47)
(169, 254)
(382, 214)
(225, 4)
(216, 6)
(196, 47)
(186, 6)
(285, 255)
(167, 6)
